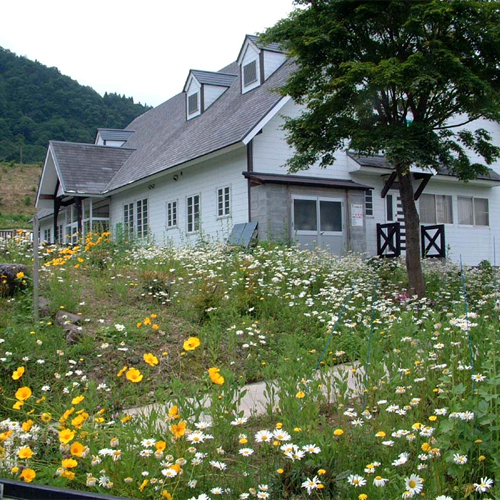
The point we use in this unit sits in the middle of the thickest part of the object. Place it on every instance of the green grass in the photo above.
(273, 314)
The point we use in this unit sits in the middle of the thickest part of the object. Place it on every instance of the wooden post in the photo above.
(36, 309)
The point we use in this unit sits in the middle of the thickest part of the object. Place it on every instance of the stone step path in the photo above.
(255, 400)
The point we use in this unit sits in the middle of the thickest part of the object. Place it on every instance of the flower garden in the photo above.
(180, 327)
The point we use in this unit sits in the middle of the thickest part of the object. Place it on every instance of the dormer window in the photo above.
(249, 73)
(193, 103)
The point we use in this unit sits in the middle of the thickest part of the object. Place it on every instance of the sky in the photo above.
(141, 49)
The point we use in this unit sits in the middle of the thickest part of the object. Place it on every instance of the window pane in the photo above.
(481, 212)
(444, 209)
(369, 202)
(330, 214)
(390, 207)
(464, 210)
(427, 205)
(304, 215)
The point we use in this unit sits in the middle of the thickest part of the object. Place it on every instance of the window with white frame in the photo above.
(46, 235)
(193, 213)
(142, 218)
(369, 202)
(171, 214)
(223, 201)
(473, 211)
(436, 209)
(59, 234)
(128, 219)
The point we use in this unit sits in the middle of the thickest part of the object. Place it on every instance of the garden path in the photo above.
(256, 398)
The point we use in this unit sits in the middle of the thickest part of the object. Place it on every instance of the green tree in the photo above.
(398, 77)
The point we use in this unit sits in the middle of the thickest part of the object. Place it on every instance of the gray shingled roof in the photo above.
(164, 138)
(380, 161)
(113, 134)
(211, 78)
(274, 47)
(87, 168)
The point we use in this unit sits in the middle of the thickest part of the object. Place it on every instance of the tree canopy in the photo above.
(397, 77)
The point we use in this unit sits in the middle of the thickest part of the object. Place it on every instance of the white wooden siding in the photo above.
(272, 61)
(202, 179)
(211, 93)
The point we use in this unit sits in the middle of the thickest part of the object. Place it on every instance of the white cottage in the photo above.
(212, 157)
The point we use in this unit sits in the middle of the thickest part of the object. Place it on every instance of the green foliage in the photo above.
(389, 76)
(38, 104)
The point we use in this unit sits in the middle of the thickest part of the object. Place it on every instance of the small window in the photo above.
(249, 73)
(193, 213)
(193, 103)
(473, 211)
(305, 215)
(46, 235)
(369, 202)
(171, 214)
(223, 202)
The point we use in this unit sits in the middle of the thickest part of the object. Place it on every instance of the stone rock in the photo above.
(64, 318)
(73, 333)
(43, 307)
(9, 282)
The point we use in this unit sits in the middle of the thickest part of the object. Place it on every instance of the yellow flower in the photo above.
(155, 327)
(150, 359)
(143, 485)
(5, 435)
(280, 471)
(17, 374)
(23, 393)
(426, 447)
(25, 452)
(215, 376)
(173, 413)
(433, 418)
(17, 405)
(122, 371)
(191, 343)
(126, 419)
(14, 470)
(380, 434)
(362, 496)
(134, 375)
(66, 435)
(147, 321)
(77, 449)
(46, 418)
(77, 400)
(20, 275)
(178, 430)
(69, 463)
(27, 475)
(321, 472)
(160, 445)
(482, 458)
(300, 395)
(68, 474)
(338, 432)
(166, 494)
(27, 425)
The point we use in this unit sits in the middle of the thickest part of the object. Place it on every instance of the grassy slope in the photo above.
(18, 184)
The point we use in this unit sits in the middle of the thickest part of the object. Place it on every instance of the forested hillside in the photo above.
(38, 104)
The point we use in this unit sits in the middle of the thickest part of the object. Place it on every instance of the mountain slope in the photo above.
(38, 104)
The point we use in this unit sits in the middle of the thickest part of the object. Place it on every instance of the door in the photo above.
(318, 222)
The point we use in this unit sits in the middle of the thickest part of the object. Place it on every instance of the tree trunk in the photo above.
(416, 285)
